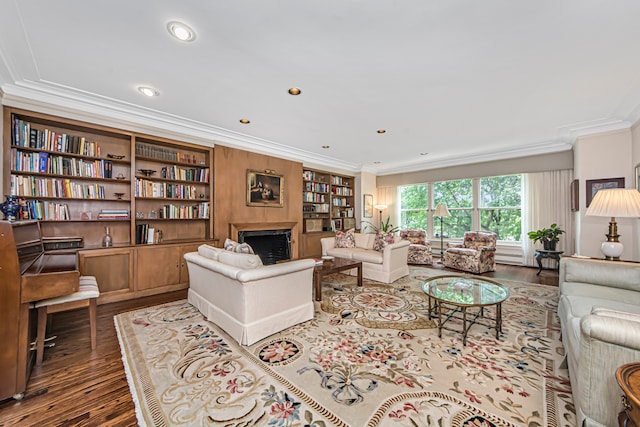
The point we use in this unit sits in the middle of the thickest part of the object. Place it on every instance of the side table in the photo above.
(628, 377)
(542, 253)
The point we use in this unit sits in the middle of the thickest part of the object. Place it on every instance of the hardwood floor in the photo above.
(75, 386)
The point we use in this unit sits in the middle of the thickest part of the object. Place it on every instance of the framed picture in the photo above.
(594, 185)
(367, 206)
(265, 189)
(638, 177)
(338, 223)
(575, 198)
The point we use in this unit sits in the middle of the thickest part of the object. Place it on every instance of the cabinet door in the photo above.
(157, 266)
(184, 270)
(112, 269)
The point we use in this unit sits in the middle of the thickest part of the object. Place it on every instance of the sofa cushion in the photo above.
(382, 240)
(345, 239)
(209, 252)
(244, 261)
(367, 255)
(607, 273)
(233, 246)
(364, 240)
(340, 252)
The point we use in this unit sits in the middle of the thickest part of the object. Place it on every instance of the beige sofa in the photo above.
(386, 266)
(250, 301)
(599, 312)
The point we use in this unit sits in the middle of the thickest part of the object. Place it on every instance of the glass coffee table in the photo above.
(464, 298)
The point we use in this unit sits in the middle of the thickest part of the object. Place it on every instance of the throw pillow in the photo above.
(383, 240)
(233, 246)
(244, 261)
(345, 239)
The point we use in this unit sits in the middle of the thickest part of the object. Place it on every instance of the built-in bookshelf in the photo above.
(327, 201)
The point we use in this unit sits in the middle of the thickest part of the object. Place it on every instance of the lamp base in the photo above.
(612, 250)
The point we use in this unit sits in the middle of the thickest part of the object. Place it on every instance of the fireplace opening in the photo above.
(270, 245)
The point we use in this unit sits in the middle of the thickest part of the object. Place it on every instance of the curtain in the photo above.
(546, 201)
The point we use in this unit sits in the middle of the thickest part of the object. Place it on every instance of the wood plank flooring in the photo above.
(76, 386)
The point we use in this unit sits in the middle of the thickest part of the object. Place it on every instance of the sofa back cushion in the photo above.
(244, 261)
(209, 252)
(613, 274)
(345, 239)
(414, 235)
(364, 240)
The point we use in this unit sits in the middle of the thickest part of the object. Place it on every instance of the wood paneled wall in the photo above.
(230, 192)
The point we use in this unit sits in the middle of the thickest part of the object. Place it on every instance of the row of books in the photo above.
(167, 154)
(335, 201)
(146, 188)
(308, 175)
(44, 163)
(338, 180)
(116, 214)
(185, 174)
(318, 187)
(313, 197)
(145, 234)
(319, 208)
(24, 135)
(51, 187)
(201, 210)
(342, 191)
(45, 210)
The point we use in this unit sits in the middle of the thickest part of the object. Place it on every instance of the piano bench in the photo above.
(86, 296)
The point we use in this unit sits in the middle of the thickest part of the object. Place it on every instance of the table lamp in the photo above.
(441, 212)
(614, 202)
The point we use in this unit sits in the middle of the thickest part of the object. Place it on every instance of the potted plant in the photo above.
(548, 236)
(384, 226)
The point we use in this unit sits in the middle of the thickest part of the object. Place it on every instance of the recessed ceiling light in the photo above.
(381, 131)
(423, 154)
(181, 31)
(148, 91)
(376, 163)
(295, 91)
(245, 121)
(326, 146)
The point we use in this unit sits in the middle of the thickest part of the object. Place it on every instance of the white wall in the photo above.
(601, 156)
(365, 184)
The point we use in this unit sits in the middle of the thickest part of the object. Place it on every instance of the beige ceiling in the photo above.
(460, 80)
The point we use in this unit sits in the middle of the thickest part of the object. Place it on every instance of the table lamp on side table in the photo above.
(441, 212)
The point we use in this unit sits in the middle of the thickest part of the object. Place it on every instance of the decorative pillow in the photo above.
(414, 236)
(345, 239)
(244, 261)
(209, 252)
(383, 240)
(233, 246)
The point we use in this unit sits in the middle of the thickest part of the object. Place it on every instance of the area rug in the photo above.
(370, 357)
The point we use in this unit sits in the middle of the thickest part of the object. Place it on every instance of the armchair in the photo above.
(419, 246)
(476, 253)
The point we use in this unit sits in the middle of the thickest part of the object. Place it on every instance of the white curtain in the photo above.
(546, 201)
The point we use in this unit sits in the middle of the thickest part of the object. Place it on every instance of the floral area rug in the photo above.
(370, 357)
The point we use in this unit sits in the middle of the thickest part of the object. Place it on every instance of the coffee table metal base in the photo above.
(334, 266)
(436, 306)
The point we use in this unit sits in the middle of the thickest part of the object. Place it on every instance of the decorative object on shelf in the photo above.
(368, 206)
(549, 237)
(441, 212)
(120, 176)
(118, 195)
(265, 189)
(147, 172)
(10, 208)
(153, 214)
(106, 240)
(614, 202)
(115, 156)
(595, 185)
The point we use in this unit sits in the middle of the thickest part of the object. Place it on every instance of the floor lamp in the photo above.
(441, 212)
(380, 208)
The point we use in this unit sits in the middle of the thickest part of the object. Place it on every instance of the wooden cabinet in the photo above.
(328, 201)
(113, 269)
(161, 266)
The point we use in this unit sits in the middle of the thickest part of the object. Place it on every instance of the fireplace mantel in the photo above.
(253, 226)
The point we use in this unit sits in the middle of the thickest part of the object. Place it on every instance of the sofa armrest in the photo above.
(487, 248)
(327, 243)
(274, 270)
(613, 327)
(395, 255)
(455, 245)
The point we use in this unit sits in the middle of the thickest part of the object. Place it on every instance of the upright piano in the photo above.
(27, 274)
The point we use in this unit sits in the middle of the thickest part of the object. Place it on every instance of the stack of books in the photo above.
(113, 214)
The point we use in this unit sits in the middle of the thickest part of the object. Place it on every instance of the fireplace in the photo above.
(270, 245)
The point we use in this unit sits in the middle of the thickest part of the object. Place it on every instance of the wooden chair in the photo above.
(86, 296)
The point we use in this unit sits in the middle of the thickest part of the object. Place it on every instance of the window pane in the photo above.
(504, 222)
(500, 191)
(456, 194)
(455, 225)
(413, 219)
(414, 197)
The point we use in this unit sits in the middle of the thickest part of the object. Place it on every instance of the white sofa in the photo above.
(386, 266)
(250, 301)
(599, 311)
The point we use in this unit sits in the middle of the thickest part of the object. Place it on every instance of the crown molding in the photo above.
(52, 99)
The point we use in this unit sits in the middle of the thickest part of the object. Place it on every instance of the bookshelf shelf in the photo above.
(327, 201)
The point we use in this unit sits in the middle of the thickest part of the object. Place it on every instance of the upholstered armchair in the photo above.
(476, 253)
(419, 247)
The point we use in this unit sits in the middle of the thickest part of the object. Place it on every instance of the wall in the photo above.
(365, 184)
(230, 192)
(599, 156)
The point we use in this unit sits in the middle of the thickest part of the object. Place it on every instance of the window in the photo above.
(414, 204)
(458, 196)
(500, 201)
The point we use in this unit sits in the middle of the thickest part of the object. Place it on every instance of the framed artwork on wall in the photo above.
(593, 185)
(638, 177)
(367, 206)
(265, 189)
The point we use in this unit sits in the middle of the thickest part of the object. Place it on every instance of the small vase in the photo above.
(106, 240)
(10, 208)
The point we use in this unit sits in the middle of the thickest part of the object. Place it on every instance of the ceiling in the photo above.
(461, 80)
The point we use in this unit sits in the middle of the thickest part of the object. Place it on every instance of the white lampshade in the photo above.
(380, 207)
(615, 202)
(441, 211)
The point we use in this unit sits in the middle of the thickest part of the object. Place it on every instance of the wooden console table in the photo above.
(628, 377)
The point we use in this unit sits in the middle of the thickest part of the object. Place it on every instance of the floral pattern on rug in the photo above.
(332, 370)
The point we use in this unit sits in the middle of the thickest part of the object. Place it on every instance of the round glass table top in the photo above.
(470, 291)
